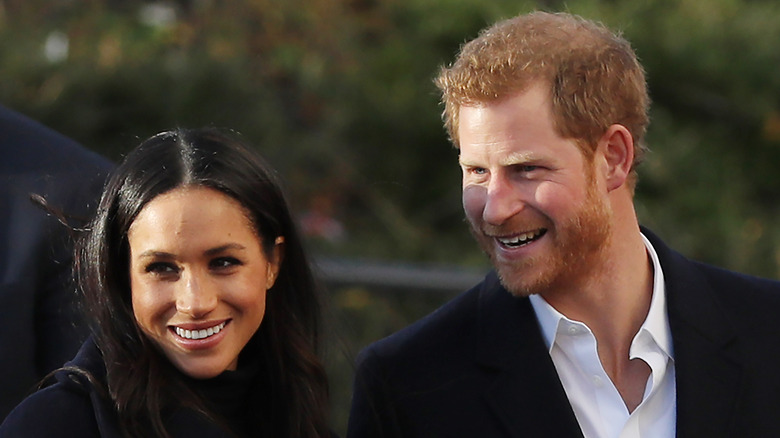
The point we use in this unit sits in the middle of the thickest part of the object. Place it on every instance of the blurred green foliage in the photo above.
(338, 95)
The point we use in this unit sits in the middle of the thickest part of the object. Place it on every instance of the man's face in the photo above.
(531, 197)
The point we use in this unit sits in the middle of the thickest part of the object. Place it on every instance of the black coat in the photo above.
(479, 366)
(74, 407)
(36, 292)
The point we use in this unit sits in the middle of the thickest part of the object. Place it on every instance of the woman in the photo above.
(205, 314)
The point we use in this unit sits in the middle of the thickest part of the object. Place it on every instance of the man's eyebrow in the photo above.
(465, 163)
(517, 158)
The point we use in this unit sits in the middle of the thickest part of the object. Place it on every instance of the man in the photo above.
(37, 295)
(590, 326)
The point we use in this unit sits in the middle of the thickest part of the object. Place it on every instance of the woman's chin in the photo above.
(200, 370)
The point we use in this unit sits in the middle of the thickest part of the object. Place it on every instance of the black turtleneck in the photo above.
(228, 395)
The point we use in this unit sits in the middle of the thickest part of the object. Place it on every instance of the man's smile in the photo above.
(521, 239)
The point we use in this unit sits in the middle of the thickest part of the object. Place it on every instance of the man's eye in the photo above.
(527, 170)
(162, 268)
(224, 263)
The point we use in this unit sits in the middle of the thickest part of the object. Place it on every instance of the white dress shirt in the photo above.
(596, 402)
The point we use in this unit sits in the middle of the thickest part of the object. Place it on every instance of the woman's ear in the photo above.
(275, 261)
(617, 145)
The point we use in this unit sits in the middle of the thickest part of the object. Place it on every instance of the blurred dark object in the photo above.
(37, 294)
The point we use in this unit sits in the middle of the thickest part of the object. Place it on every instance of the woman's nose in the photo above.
(196, 296)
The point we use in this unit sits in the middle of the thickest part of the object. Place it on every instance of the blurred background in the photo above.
(338, 95)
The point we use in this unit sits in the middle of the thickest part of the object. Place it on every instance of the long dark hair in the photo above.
(140, 381)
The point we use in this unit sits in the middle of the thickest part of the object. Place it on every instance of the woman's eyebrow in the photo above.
(223, 248)
(156, 254)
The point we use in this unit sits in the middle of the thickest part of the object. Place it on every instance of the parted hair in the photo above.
(594, 76)
(141, 382)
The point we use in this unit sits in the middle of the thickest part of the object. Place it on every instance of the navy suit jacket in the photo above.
(36, 292)
(478, 366)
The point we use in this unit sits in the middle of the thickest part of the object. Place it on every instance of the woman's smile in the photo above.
(195, 333)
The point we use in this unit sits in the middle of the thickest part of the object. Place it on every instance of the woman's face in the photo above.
(198, 278)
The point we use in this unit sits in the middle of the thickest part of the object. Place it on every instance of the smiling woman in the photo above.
(199, 276)
(205, 314)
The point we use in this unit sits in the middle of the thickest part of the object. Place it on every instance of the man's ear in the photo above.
(617, 145)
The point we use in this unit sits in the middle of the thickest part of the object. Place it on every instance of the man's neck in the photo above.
(614, 302)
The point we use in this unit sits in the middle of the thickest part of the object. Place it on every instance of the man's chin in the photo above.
(521, 278)
(517, 284)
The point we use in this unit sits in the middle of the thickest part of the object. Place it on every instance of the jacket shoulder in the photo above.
(746, 298)
(60, 410)
(725, 279)
(68, 405)
(437, 349)
(453, 320)
(684, 276)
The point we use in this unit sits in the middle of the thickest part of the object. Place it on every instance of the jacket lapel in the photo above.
(706, 353)
(526, 394)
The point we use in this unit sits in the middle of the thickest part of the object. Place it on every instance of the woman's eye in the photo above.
(224, 263)
(162, 268)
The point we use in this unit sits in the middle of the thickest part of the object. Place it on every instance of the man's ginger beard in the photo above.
(574, 252)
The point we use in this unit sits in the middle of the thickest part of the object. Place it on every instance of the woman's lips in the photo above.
(200, 333)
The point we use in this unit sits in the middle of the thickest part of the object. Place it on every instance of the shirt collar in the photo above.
(656, 324)
(657, 321)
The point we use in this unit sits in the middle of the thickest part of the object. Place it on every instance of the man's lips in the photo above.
(520, 239)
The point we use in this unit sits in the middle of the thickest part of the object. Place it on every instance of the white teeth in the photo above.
(199, 334)
(521, 238)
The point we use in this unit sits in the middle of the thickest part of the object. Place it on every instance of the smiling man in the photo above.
(590, 326)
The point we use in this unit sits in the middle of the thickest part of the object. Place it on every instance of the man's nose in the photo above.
(196, 295)
(502, 201)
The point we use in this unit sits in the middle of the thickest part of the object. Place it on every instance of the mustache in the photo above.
(503, 230)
